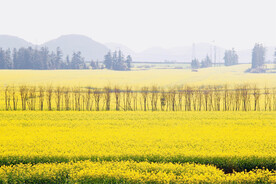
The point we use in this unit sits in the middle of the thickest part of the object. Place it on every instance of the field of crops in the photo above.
(231, 75)
(244, 97)
(217, 125)
(127, 172)
(211, 89)
(133, 147)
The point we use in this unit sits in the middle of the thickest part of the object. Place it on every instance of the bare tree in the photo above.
(8, 98)
(267, 99)
(97, 97)
(88, 99)
(24, 96)
(107, 91)
(58, 93)
(49, 95)
(145, 91)
(163, 99)
(256, 94)
(14, 98)
(41, 97)
(117, 93)
(31, 101)
(154, 98)
(67, 96)
(217, 100)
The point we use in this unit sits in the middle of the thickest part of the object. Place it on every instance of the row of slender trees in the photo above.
(154, 98)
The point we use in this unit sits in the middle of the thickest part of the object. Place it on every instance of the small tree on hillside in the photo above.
(2, 59)
(67, 62)
(119, 62)
(258, 56)
(128, 62)
(58, 61)
(77, 61)
(230, 57)
(95, 65)
(116, 61)
(5, 59)
(108, 60)
(195, 64)
(205, 63)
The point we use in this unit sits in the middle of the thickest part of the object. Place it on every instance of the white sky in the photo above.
(141, 24)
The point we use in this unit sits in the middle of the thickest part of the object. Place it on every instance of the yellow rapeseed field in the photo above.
(208, 136)
(165, 78)
(127, 172)
(137, 146)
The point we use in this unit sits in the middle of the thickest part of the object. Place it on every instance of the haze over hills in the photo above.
(181, 54)
(116, 46)
(175, 54)
(91, 49)
(186, 53)
(7, 41)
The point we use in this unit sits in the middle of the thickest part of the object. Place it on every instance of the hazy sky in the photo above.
(141, 24)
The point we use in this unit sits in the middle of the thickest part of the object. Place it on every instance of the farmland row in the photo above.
(181, 98)
(228, 140)
(127, 172)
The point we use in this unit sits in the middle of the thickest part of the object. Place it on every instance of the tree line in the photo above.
(231, 58)
(205, 63)
(117, 61)
(43, 59)
(39, 59)
(149, 98)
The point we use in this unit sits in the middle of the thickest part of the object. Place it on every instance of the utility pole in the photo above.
(215, 53)
(211, 53)
(219, 56)
(194, 52)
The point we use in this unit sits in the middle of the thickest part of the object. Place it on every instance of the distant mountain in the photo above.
(154, 54)
(200, 50)
(89, 48)
(180, 54)
(7, 41)
(116, 46)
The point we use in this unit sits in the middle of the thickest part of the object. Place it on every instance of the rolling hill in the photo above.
(89, 48)
(7, 41)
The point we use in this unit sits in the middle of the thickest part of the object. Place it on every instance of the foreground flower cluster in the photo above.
(127, 172)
